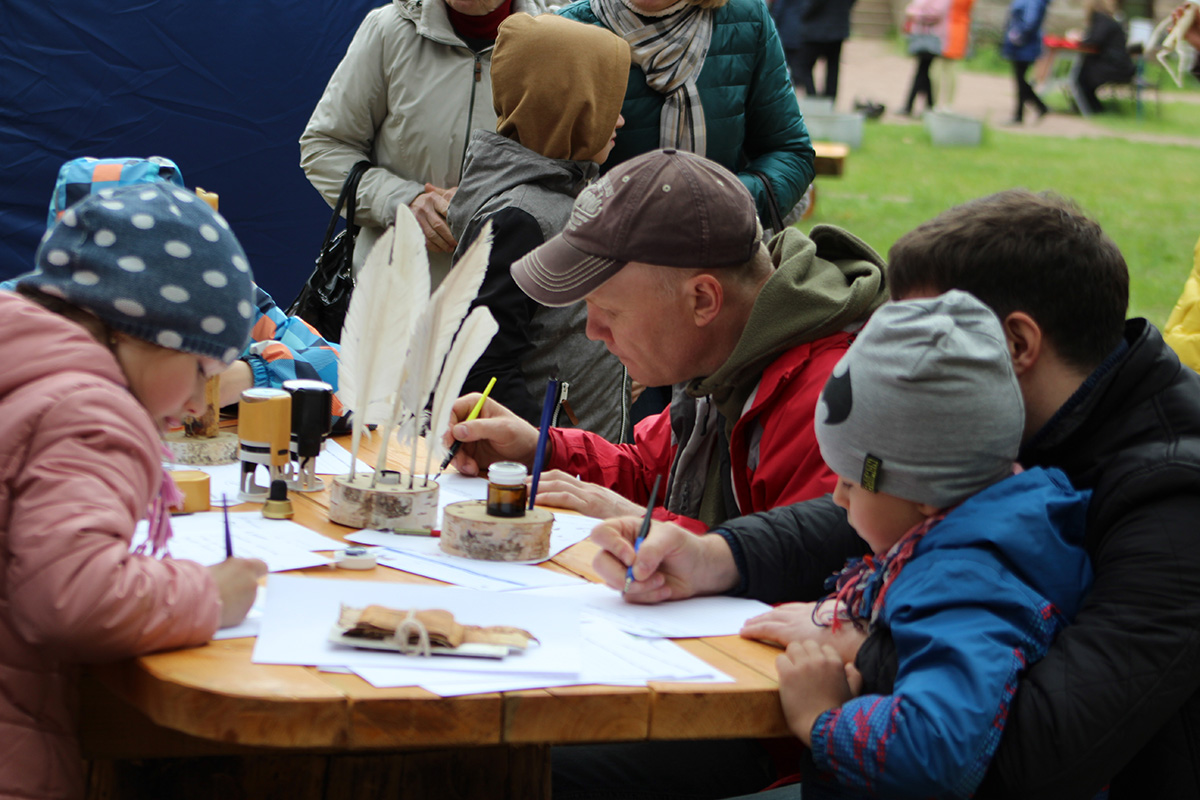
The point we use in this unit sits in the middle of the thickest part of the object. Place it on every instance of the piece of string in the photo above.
(411, 626)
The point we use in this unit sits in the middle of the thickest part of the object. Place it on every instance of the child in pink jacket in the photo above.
(140, 295)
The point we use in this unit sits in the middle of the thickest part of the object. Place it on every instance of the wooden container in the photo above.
(221, 449)
(386, 506)
(195, 487)
(468, 531)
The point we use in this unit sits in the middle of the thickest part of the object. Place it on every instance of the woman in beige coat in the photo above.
(415, 81)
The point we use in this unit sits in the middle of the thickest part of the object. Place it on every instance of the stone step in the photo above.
(872, 19)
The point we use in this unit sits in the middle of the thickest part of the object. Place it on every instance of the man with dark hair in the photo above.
(1040, 250)
(1116, 701)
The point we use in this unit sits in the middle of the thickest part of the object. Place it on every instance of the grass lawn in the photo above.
(1142, 194)
(1165, 118)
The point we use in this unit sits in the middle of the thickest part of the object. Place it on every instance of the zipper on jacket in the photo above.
(477, 77)
(560, 404)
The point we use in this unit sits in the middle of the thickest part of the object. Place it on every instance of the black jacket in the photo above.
(1116, 698)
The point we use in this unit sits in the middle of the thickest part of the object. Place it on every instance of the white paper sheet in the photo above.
(682, 619)
(610, 657)
(301, 611)
(421, 555)
(282, 544)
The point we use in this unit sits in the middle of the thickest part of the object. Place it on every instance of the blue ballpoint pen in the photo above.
(637, 543)
(543, 431)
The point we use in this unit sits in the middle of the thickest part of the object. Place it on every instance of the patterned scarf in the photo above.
(671, 52)
(860, 588)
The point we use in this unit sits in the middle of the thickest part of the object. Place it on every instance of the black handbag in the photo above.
(325, 297)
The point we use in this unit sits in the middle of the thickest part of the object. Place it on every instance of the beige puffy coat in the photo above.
(413, 117)
(79, 463)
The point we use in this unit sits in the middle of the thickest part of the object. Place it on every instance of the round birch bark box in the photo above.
(385, 506)
(197, 452)
(469, 531)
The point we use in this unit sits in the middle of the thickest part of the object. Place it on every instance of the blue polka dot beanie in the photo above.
(153, 261)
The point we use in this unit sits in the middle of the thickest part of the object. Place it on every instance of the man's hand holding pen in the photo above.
(496, 434)
(672, 563)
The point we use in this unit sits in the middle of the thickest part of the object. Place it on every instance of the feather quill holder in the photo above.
(391, 312)
(409, 254)
(432, 336)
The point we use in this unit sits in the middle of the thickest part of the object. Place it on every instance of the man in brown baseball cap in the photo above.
(666, 251)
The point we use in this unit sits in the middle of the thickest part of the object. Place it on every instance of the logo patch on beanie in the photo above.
(838, 399)
(870, 474)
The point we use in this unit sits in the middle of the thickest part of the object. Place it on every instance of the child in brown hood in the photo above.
(557, 87)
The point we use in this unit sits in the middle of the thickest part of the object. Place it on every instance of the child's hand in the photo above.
(793, 622)
(812, 680)
(784, 624)
(237, 584)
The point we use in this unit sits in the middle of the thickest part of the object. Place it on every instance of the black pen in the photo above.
(637, 543)
(228, 538)
(453, 450)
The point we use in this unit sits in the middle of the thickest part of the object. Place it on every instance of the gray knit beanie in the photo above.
(153, 261)
(925, 404)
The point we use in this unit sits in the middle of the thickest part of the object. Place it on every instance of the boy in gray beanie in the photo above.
(974, 568)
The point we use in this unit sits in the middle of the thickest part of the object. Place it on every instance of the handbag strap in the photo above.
(772, 204)
(347, 198)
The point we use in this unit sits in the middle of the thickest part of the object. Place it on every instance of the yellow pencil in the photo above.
(474, 413)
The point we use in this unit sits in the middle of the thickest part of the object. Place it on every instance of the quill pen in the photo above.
(477, 332)
(390, 291)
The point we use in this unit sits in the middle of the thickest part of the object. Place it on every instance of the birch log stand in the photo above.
(389, 505)
(469, 531)
(202, 442)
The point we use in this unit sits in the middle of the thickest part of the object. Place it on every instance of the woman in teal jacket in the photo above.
(709, 77)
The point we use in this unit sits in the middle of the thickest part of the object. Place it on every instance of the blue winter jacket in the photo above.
(984, 594)
(750, 109)
(1023, 31)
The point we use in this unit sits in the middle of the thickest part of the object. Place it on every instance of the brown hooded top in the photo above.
(558, 85)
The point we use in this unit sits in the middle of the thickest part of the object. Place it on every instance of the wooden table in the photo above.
(206, 722)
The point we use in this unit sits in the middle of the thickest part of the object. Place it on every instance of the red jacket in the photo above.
(773, 449)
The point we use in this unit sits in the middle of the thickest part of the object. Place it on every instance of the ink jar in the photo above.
(507, 494)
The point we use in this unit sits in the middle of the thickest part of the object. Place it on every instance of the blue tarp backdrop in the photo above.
(222, 87)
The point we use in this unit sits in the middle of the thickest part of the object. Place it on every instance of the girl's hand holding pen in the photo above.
(672, 563)
(237, 583)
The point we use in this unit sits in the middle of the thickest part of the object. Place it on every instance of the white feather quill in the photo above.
(390, 291)
(432, 336)
(476, 333)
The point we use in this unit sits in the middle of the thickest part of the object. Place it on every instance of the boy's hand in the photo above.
(812, 680)
(793, 622)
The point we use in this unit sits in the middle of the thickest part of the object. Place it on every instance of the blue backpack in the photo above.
(80, 177)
